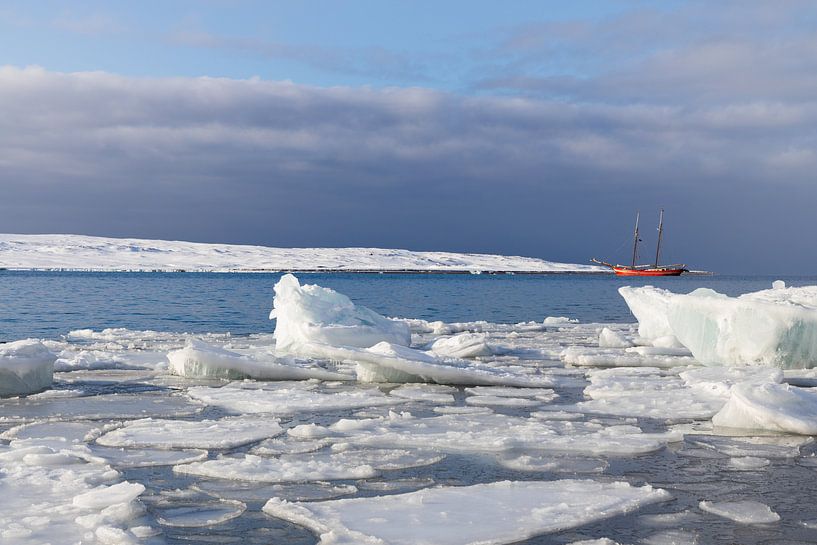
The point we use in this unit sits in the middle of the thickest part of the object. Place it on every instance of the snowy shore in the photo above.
(86, 253)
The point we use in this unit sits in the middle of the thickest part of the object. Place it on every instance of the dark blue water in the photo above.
(49, 304)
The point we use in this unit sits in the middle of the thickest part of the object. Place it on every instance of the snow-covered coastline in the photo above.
(87, 253)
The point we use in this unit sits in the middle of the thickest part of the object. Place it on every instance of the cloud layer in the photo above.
(561, 131)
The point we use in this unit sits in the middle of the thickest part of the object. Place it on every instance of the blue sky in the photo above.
(534, 128)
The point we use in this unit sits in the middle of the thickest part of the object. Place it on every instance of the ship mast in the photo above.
(660, 234)
(635, 240)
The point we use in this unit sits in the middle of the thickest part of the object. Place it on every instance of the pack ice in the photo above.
(317, 322)
(26, 367)
(490, 514)
(775, 327)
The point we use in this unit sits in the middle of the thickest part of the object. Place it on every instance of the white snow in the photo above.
(771, 407)
(26, 366)
(199, 359)
(744, 512)
(489, 514)
(205, 434)
(116, 254)
(313, 315)
(775, 327)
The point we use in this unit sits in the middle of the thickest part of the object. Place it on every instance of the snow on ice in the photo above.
(491, 514)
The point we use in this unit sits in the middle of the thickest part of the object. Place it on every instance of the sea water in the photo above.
(49, 305)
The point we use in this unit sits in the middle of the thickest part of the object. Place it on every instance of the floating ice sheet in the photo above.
(207, 434)
(745, 512)
(491, 433)
(490, 514)
(199, 359)
(108, 406)
(428, 393)
(646, 392)
(387, 362)
(320, 466)
(197, 514)
(289, 399)
(255, 491)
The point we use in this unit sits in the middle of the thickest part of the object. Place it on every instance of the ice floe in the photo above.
(304, 467)
(745, 512)
(199, 359)
(288, 398)
(487, 433)
(386, 362)
(100, 407)
(490, 514)
(26, 367)
(225, 433)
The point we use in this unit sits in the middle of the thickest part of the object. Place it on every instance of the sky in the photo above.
(533, 128)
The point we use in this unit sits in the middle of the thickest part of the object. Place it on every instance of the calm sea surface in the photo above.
(49, 304)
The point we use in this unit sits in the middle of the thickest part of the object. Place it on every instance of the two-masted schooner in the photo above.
(646, 270)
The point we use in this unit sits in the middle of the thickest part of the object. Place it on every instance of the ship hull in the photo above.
(660, 271)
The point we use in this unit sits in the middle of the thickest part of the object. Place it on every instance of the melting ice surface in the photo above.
(345, 426)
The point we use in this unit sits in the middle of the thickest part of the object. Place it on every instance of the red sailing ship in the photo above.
(646, 270)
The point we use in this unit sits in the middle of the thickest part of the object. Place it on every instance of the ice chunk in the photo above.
(501, 401)
(207, 434)
(490, 514)
(199, 359)
(288, 399)
(558, 320)
(311, 314)
(745, 512)
(772, 407)
(650, 306)
(776, 327)
(103, 496)
(387, 362)
(612, 339)
(26, 367)
(464, 345)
